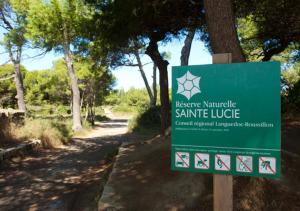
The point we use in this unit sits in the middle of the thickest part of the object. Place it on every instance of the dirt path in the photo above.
(71, 178)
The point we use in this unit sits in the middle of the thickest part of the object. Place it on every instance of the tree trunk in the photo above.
(154, 85)
(19, 87)
(75, 90)
(186, 49)
(221, 28)
(137, 56)
(16, 60)
(152, 51)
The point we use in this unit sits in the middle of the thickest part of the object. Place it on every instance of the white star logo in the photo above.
(188, 85)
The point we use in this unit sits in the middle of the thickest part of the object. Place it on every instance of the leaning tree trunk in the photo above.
(140, 65)
(221, 28)
(186, 49)
(154, 85)
(75, 90)
(152, 51)
(19, 87)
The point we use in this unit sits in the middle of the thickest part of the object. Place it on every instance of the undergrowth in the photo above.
(52, 133)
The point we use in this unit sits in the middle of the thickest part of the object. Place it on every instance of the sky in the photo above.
(131, 77)
(127, 77)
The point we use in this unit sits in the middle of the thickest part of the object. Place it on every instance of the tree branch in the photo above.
(274, 50)
(5, 21)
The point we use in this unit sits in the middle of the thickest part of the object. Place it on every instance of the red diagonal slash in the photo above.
(181, 159)
(269, 166)
(202, 161)
(223, 162)
(238, 157)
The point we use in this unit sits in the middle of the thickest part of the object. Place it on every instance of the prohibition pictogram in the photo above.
(182, 159)
(222, 162)
(201, 161)
(244, 164)
(267, 165)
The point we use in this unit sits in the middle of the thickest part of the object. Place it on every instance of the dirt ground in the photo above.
(142, 180)
(70, 178)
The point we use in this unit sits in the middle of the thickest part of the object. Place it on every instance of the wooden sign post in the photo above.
(223, 184)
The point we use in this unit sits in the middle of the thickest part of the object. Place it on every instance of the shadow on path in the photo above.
(63, 179)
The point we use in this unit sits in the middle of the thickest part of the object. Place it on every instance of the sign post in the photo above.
(226, 121)
(223, 184)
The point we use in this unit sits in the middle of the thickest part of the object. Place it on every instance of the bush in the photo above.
(149, 119)
(132, 101)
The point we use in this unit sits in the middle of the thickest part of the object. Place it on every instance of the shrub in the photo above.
(149, 119)
(131, 101)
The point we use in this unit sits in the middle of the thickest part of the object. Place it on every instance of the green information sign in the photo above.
(226, 119)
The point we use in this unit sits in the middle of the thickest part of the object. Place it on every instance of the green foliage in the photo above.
(247, 30)
(54, 23)
(95, 82)
(14, 25)
(132, 101)
(49, 111)
(268, 25)
(149, 119)
(292, 75)
(45, 87)
(7, 87)
(140, 20)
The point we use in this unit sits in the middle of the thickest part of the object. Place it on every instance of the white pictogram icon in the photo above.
(188, 85)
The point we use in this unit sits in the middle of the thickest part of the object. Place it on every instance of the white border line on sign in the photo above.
(179, 145)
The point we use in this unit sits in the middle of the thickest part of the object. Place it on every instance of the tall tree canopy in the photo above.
(273, 27)
(52, 86)
(121, 21)
(57, 24)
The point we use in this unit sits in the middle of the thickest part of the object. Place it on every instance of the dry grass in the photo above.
(52, 133)
(5, 132)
